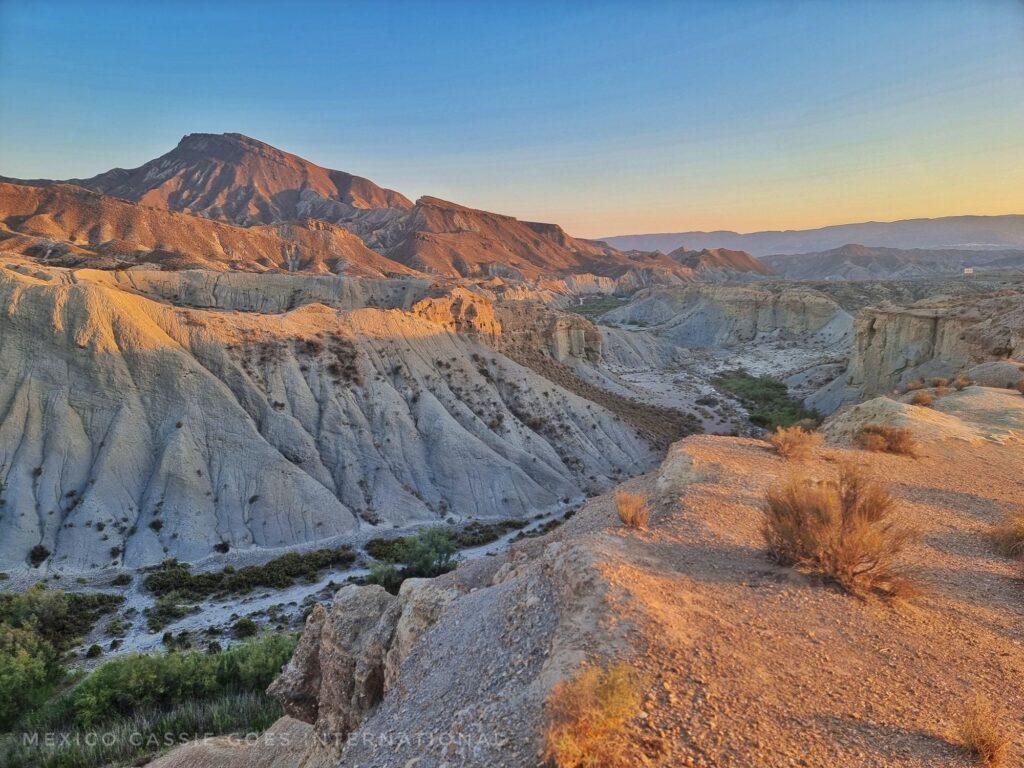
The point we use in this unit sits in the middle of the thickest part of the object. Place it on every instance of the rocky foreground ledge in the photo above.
(745, 662)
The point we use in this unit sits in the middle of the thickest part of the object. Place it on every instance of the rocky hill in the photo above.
(720, 263)
(939, 337)
(742, 661)
(308, 416)
(449, 239)
(861, 262)
(68, 225)
(238, 179)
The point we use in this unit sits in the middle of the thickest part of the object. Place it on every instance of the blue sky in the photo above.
(608, 118)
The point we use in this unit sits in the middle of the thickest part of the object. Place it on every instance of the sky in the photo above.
(608, 118)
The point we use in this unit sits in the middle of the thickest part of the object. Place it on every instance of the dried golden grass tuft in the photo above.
(587, 717)
(887, 439)
(843, 529)
(912, 385)
(1009, 534)
(922, 398)
(795, 442)
(632, 508)
(1020, 386)
(939, 381)
(960, 383)
(983, 733)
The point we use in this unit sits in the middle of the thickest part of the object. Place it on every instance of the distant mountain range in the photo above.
(962, 232)
(861, 262)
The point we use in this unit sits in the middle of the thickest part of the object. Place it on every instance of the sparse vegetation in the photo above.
(472, 534)
(914, 385)
(795, 442)
(886, 439)
(279, 573)
(1020, 386)
(844, 529)
(983, 733)
(166, 610)
(594, 306)
(767, 400)
(633, 509)
(922, 398)
(1009, 534)
(587, 717)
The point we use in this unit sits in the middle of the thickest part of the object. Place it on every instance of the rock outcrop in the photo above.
(723, 315)
(934, 337)
(350, 654)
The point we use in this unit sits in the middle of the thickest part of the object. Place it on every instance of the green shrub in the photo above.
(386, 575)
(29, 670)
(94, 652)
(60, 618)
(431, 552)
(37, 555)
(121, 580)
(123, 686)
(244, 627)
(166, 609)
(766, 399)
(136, 740)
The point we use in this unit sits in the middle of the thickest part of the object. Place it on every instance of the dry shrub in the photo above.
(1009, 535)
(960, 383)
(842, 529)
(886, 439)
(922, 398)
(632, 508)
(983, 734)
(939, 381)
(1020, 386)
(587, 716)
(795, 442)
(915, 384)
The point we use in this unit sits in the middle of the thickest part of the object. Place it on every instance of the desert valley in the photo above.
(518, 497)
(511, 385)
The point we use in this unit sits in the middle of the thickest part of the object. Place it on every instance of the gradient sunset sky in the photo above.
(608, 118)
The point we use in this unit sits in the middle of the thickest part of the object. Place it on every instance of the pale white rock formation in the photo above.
(724, 315)
(939, 337)
(132, 430)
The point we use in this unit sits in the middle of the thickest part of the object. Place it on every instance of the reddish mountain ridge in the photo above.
(247, 183)
(446, 238)
(719, 260)
(238, 179)
(68, 225)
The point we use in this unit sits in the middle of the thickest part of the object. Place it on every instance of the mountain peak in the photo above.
(239, 179)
